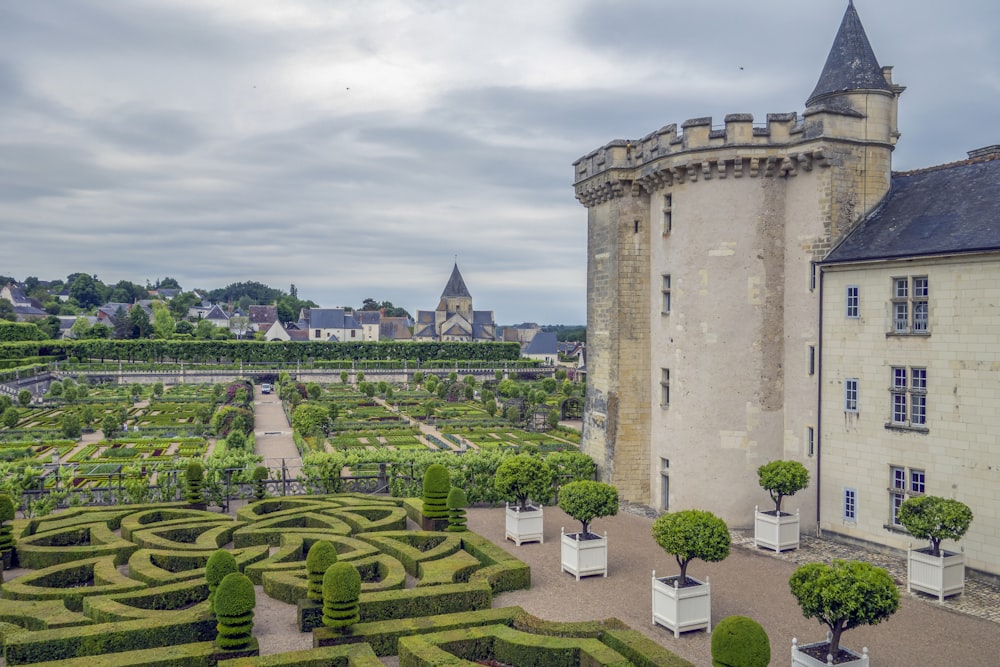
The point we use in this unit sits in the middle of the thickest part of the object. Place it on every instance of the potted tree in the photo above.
(586, 553)
(682, 603)
(775, 529)
(842, 595)
(932, 569)
(522, 478)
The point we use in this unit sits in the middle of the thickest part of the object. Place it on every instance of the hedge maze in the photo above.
(129, 584)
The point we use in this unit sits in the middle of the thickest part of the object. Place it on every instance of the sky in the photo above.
(358, 148)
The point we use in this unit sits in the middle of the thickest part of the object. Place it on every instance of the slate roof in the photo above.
(263, 315)
(851, 63)
(394, 328)
(482, 317)
(216, 313)
(368, 316)
(298, 334)
(456, 286)
(949, 209)
(109, 309)
(331, 318)
(544, 342)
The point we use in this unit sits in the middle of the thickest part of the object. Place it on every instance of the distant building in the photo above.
(330, 324)
(262, 317)
(454, 319)
(544, 347)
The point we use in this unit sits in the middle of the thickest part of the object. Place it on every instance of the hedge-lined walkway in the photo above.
(272, 431)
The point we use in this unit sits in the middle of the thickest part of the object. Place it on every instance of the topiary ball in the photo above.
(739, 641)
(195, 473)
(437, 483)
(7, 508)
(234, 603)
(220, 565)
(321, 556)
(341, 591)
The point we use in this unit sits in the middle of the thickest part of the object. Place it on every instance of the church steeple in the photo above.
(851, 64)
(456, 286)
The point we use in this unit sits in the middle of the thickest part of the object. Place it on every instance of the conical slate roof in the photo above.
(456, 286)
(851, 64)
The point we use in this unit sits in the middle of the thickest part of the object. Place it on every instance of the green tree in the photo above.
(56, 389)
(7, 311)
(343, 377)
(740, 641)
(844, 595)
(183, 328)
(69, 424)
(81, 328)
(588, 500)
(935, 518)
(521, 477)
(86, 291)
(139, 319)
(158, 389)
(204, 330)
(690, 535)
(110, 426)
(311, 418)
(24, 398)
(782, 478)
(10, 417)
(163, 321)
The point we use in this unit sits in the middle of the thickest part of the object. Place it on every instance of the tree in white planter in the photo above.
(842, 595)
(692, 534)
(585, 553)
(782, 478)
(588, 500)
(523, 477)
(934, 518)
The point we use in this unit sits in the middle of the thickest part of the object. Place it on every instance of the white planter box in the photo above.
(942, 576)
(682, 609)
(524, 526)
(584, 557)
(800, 659)
(776, 532)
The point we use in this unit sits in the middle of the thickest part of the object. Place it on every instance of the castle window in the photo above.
(665, 291)
(850, 505)
(668, 222)
(851, 395)
(853, 301)
(908, 396)
(899, 489)
(810, 440)
(811, 360)
(664, 387)
(910, 305)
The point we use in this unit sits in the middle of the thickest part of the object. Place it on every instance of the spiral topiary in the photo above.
(194, 479)
(740, 641)
(220, 564)
(341, 592)
(321, 556)
(259, 477)
(7, 511)
(437, 483)
(234, 602)
(456, 510)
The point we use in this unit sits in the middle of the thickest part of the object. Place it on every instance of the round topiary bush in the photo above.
(521, 477)
(341, 592)
(194, 480)
(456, 510)
(935, 518)
(437, 483)
(234, 602)
(782, 478)
(739, 641)
(220, 564)
(587, 500)
(690, 535)
(321, 556)
(259, 477)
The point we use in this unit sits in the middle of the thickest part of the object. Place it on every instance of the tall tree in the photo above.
(163, 322)
(140, 321)
(7, 312)
(121, 326)
(86, 291)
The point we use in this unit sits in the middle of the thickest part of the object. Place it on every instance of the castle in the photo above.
(722, 265)
(454, 319)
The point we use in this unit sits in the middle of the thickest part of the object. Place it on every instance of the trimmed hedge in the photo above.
(219, 565)
(319, 559)
(233, 606)
(341, 590)
(350, 655)
(437, 483)
(187, 598)
(198, 654)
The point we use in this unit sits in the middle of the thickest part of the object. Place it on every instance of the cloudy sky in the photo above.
(355, 148)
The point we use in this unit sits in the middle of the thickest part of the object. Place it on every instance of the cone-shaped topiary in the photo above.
(234, 602)
(220, 564)
(739, 641)
(7, 511)
(321, 556)
(341, 591)
(456, 510)
(259, 477)
(437, 483)
(194, 478)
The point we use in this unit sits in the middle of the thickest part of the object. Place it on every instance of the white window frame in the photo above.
(665, 292)
(910, 305)
(851, 395)
(853, 302)
(908, 397)
(904, 482)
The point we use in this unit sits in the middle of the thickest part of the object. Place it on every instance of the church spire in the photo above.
(851, 64)
(456, 286)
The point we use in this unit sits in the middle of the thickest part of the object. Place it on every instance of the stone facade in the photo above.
(702, 300)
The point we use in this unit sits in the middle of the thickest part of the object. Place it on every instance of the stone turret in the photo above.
(455, 297)
(701, 310)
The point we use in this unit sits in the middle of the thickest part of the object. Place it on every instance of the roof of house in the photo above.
(949, 209)
(851, 63)
(456, 286)
(266, 315)
(331, 318)
(544, 342)
(482, 317)
(425, 316)
(112, 307)
(368, 316)
(216, 313)
(298, 334)
(395, 328)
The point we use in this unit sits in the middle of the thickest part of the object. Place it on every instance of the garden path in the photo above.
(272, 432)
